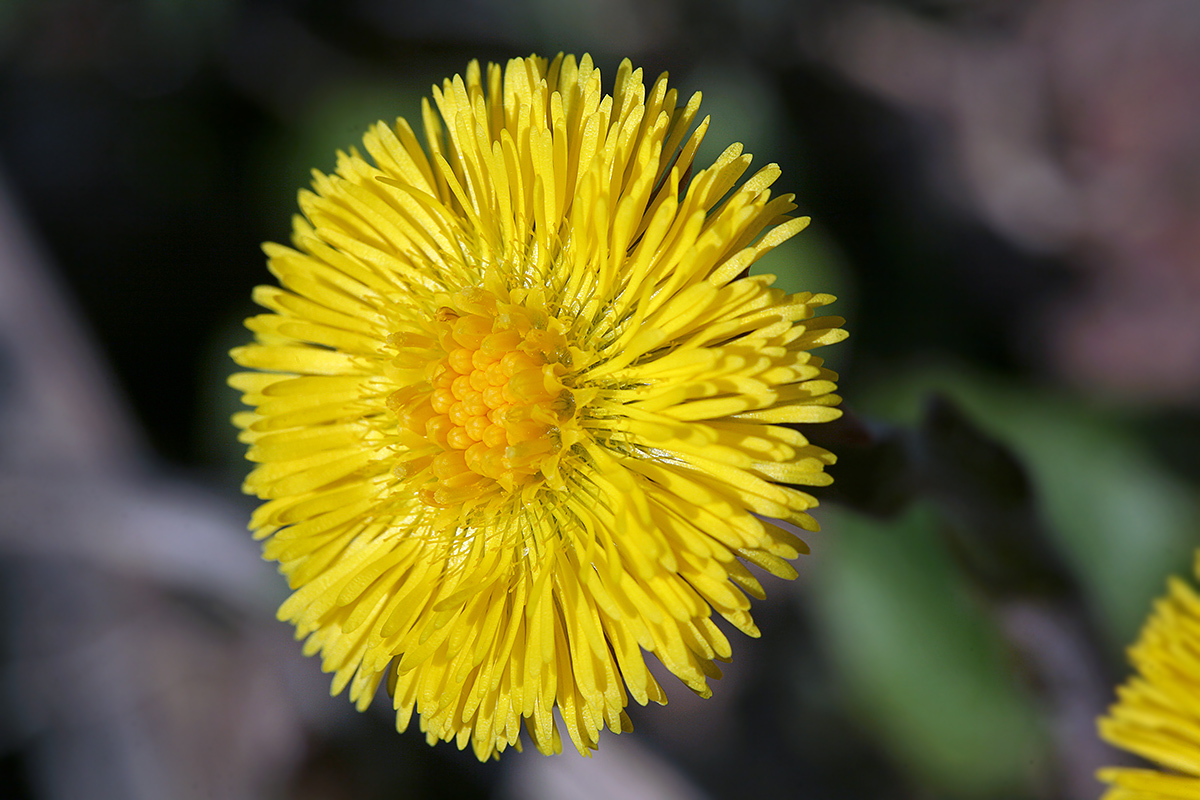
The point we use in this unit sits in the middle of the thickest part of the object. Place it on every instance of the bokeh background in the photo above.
(1006, 199)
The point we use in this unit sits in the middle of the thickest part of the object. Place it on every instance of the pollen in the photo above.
(487, 416)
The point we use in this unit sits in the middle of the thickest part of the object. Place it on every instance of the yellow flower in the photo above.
(521, 408)
(1157, 713)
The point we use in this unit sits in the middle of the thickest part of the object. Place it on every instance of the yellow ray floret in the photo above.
(518, 408)
(1157, 713)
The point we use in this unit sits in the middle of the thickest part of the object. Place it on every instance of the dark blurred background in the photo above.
(1006, 199)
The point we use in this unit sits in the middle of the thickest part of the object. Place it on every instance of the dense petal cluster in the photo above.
(519, 409)
(1157, 713)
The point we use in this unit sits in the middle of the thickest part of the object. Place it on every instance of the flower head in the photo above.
(1157, 713)
(519, 408)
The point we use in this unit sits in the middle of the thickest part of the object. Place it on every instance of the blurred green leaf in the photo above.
(995, 526)
(1121, 519)
(919, 659)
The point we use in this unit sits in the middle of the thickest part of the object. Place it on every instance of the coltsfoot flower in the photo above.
(1157, 713)
(519, 409)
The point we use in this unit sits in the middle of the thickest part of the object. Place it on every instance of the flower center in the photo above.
(484, 411)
